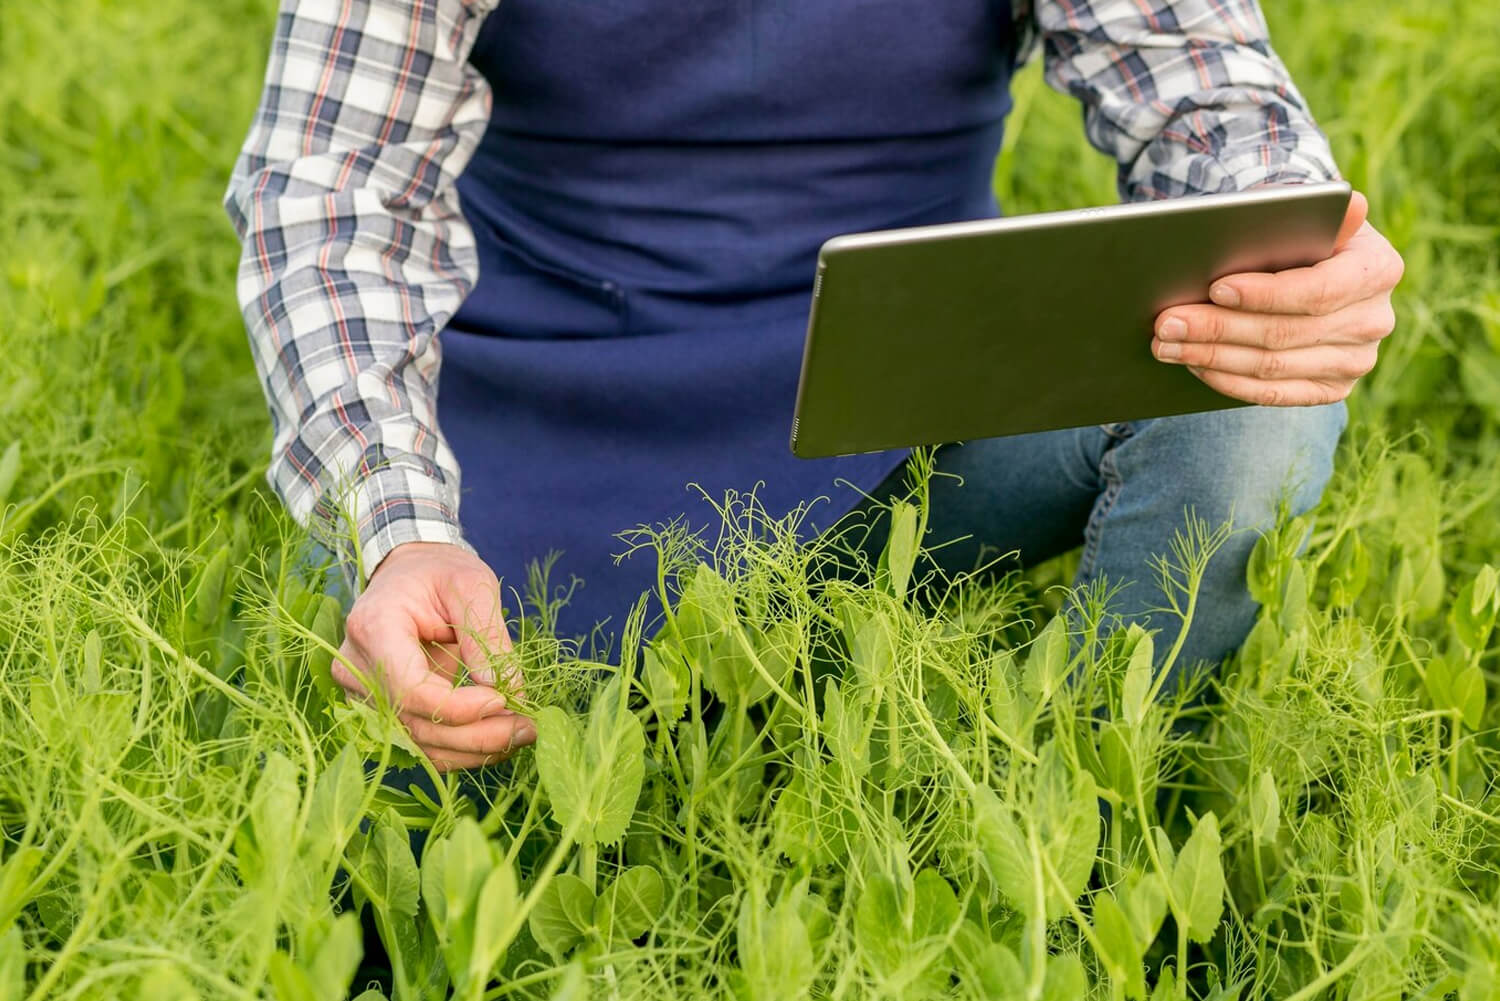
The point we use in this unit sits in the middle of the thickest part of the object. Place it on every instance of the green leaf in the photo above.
(1005, 852)
(1457, 687)
(1000, 973)
(493, 929)
(630, 905)
(275, 799)
(1137, 684)
(873, 656)
(325, 626)
(709, 622)
(12, 964)
(290, 981)
(1198, 881)
(334, 812)
(388, 869)
(1145, 904)
(934, 905)
(1486, 592)
(1264, 643)
(592, 779)
(1164, 847)
(1006, 707)
(1066, 814)
(1117, 759)
(878, 924)
(777, 648)
(1294, 602)
(1120, 950)
(92, 678)
(1472, 615)
(10, 471)
(561, 763)
(901, 547)
(1066, 980)
(844, 729)
(616, 745)
(555, 920)
(1263, 570)
(208, 599)
(1350, 568)
(775, 951)
(667, 685)
(573, 985)
(1047, 660)
(337, 958)
(454, 869)
(1166, 985)
(1468, 694)
(1265, 809)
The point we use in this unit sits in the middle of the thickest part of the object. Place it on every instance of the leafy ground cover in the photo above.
(796, 787)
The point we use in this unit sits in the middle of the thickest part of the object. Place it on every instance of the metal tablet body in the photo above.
(1004, 326)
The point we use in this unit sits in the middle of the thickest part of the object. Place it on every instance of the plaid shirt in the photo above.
(356, 254)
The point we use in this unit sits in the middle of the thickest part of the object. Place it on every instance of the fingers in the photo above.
(452, 761)
(1359, 324)
(1276, 392)
(496, 737)
(1336, 362)
(387, 651)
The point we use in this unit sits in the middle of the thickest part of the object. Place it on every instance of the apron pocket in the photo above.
(521, 294)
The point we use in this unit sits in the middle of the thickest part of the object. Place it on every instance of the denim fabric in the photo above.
(1121, 491)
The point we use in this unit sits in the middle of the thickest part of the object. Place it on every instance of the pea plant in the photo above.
(809, 783)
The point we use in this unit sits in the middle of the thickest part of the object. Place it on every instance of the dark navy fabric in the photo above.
(648, 203)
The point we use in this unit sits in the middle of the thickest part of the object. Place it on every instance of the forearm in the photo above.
(348, 355)
(1187, 95)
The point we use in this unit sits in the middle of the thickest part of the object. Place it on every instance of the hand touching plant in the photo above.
(1298, 337)
(430, 611)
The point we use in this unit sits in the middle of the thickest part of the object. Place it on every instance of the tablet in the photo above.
(1004, 326)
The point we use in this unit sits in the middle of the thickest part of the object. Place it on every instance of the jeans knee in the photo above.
(1244, 463)
(1284, 454)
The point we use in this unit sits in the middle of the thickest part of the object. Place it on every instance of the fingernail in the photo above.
(1225, 295)
(1173, 328)
(494, 706)
(1168, 351)
(525, 733)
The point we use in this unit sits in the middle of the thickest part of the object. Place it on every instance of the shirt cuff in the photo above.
(1301, 167)
(397, 503)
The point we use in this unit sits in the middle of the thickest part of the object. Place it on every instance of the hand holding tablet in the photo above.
(1296, 337)
(977, 329)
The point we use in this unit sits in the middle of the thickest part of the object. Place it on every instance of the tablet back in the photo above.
(1005, 326)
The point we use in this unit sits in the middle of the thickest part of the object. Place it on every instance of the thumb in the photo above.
(1354, 218)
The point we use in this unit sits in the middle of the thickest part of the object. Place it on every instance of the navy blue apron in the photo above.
(648, 201)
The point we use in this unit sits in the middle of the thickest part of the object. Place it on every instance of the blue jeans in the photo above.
(1121, 491)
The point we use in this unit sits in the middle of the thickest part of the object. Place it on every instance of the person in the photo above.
(611, 210)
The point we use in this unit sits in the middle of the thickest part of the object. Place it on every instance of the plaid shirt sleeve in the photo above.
(1186, 95)
(355, 254)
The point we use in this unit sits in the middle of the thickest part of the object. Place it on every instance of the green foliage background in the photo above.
(177, 799)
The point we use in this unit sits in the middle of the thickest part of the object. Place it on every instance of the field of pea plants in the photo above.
(793, 785)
